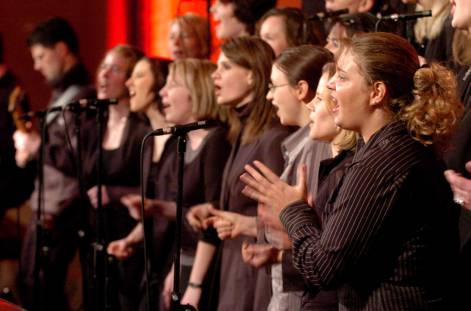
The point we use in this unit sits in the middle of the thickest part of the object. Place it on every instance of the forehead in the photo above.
(345, 61)
(38, 49)
(115, 58)
(272, 22)
(341, 4)
(277, 74)
(142, 65)
(223, 58)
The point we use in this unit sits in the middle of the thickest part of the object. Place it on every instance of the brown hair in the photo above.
(461, 50)
(257, 56)
(250, 11)
(196, 75)
(304, 63)
(298, 30)
(129, 52)
(159, 70)
(197, 26)
(424, 98)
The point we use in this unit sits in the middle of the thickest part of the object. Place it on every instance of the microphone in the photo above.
(91, 103)
(183, 129)
(324, 15)
(76, 106)
(406, 16)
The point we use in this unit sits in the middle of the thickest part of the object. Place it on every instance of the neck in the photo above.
(196, 137)
(70, 61)
(119, 110)
(334, 144)
(156, 118)
(376, 122)
(303, 118)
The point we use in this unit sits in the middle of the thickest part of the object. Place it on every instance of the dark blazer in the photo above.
(390, 240)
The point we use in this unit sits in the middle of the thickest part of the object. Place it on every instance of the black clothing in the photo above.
(120, 176)
(243, 287)
(390, 240)
(60, 203)
(16, 184)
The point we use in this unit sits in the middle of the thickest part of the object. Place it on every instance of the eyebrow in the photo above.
(339, 69)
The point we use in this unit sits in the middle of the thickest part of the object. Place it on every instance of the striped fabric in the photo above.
(389, 238)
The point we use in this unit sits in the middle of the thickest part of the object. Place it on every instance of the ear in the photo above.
(378, 94)
(61, 49)
(302, 91)
(250, 81)
(366, 5)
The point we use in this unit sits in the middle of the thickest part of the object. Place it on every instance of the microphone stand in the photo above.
(181, 149)
(100, 260)
(181, 132)
(41, 250)
(83, 214)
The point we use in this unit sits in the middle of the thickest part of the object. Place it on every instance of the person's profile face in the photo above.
(273, 32)
(461, 12)
(350, 94)
(228, 26)
(49, 61)
(140, 86)
(233, 83)
(182, 43)
(112, 76)
(353, 6)
(176, 100)
(322, 125)
(284, 98)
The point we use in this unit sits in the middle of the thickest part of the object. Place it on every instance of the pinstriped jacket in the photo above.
(389, 239)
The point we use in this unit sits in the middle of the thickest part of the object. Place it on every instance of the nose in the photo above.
(310, 105)
(269, 96)
(215, 75)
(331, 83)
(163, 91)
(37, 65)
(213, 8)
(176, 40)
(128, 82)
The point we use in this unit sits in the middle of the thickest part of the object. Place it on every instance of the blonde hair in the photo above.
(197, 26)
(461, 44)
(424, 98)
(196, 75)
(430, 27)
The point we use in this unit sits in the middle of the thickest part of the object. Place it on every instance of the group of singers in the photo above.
(323, 184)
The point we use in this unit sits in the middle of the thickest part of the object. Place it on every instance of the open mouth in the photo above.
(217, 90)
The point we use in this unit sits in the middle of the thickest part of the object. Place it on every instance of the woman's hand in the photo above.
(26, 145)
(192, 296)
(230, 225)
(197, 216)
(461, 187)
(93, 196)
(260, 255)
(268, 189)
(151, 206)
(168, 289)
(121, 249)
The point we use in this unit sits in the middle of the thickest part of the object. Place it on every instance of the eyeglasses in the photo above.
(272, 87)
